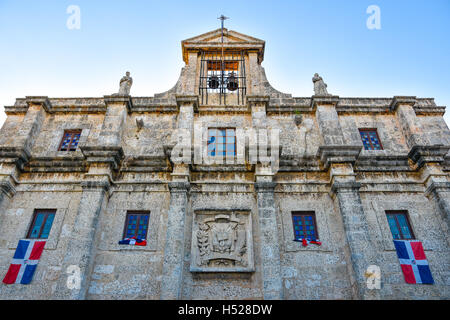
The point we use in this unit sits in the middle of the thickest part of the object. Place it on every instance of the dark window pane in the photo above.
(399, 225)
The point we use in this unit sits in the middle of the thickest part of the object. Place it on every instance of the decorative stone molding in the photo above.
(256, 99)
(438, 187)
(422, 154)
(103, 154)
(40, 100)
(338, 154)
(265, 186)
(7, 188)
(179, 186)
(324, 100)
(188, 100)
(116, 99)
(350, 186)
(402, 100)
(222, 242)
(95, 185)
(17, 155)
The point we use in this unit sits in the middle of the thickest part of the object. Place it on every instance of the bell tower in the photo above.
(224, 60)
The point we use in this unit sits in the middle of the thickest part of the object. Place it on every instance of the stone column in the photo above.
(362, 254)
(81, 248)
(172, 273)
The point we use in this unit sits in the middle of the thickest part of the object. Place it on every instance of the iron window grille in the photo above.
(136, 224)
(41, 223)
(399, 225)
(70, 140)
(222, 76)
(221, 142)
(370, 139)
(305, 226)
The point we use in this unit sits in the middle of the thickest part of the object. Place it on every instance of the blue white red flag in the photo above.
(413, 261)
(25, 260)
(305, 241)
(134, 241)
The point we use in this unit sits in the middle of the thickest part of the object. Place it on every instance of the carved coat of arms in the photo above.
(221, 241)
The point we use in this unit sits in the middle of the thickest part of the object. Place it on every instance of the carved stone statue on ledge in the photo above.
(125, 85)
(320, 87)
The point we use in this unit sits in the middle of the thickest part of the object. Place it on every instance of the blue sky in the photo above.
(409, 55)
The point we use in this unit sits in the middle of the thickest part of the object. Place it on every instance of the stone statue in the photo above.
(125, 85)
(320, 87)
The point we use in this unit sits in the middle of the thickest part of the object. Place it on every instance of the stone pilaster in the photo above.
(437, 188)
(403, 106)
(328, 119)
(362, 254)
(269, 245)
(81, 248)
(172, 272)
(114, 121)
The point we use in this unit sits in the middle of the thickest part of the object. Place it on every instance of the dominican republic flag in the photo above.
(24, 261)
(133, 241)
(305, 241)
(413, 261)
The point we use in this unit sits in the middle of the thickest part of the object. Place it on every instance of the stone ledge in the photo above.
(257, 99)
(423, 154)
(338, 154)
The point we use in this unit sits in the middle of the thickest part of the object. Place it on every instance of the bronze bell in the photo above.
(232, 83)
(213, 82)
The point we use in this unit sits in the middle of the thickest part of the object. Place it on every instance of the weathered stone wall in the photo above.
(123, 162)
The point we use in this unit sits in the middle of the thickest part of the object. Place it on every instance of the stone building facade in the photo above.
(225, 231)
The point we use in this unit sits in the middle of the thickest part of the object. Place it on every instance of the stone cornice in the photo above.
(118, 99)
(324, 100)
(265, 186)
(350, 186)
(188, 100)
(438, 187)
(179, 186)
(425, 153)
(252, 100)
(39, 100)
(402, 100)
(103, 154)
(338, 154)
(17, 155)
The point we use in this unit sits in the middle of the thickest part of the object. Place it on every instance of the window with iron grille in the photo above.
(370, 139)
(41, 223)
(70, 140)
(399, 225)
(222, 74)
(305, 226)
(221, 142)
(136, 224)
